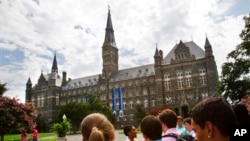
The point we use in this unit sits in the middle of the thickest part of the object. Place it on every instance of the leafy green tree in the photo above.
(235, 79)
(15, 115)
(3, 88)
(139, 113)
(75, 112)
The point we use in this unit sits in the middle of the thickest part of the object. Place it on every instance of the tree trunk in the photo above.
(2, 137)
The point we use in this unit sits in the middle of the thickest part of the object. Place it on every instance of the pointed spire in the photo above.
(208, 47)
(207, 43)
(157, 54)
(54, 65)
(109, 35)
(41, 78)
(29, 82)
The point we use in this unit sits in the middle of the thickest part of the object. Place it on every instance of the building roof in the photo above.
(126, 74)
(132, 73)
(195, 50)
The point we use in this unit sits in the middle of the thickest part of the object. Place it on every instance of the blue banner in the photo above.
(113, 99)
(120, 99)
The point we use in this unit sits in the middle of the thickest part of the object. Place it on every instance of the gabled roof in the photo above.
(195, 50)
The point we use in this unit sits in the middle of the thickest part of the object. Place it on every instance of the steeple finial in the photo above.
(54, 65)
(109, 35)
(157, 54)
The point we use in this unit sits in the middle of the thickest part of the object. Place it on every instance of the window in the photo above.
(131, 104)
(204, 94)
(202, 76)
(180, 79)
(145, 103)
(153, 102)
(167, 81)
(188, 78)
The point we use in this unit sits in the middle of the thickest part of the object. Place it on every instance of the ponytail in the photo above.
(96, 135)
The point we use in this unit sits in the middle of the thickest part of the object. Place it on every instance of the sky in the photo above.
(33, 31)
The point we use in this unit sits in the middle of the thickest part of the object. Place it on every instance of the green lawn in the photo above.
(46, 136)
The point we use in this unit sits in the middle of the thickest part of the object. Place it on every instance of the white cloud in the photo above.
(75, 31)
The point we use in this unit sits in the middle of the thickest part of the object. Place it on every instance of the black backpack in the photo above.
(180, 137)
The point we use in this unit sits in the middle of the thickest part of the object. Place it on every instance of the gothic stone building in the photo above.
(186, 75)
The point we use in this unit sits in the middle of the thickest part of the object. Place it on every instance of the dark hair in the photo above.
(216, 110)
(126, 129)
(168, 117)
(187, 120)
(241, 114)
(151, 127)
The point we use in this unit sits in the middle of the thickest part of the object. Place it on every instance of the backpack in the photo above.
(180, 137)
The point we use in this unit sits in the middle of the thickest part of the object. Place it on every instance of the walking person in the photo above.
(24, 136)
(35, 134)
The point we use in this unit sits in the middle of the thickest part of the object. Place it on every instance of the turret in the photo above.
(28, 91)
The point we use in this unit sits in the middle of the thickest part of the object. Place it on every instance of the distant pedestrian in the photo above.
(211, 119)
(24, 136)
(188, 126)
(180, 127)
(35, 134)
(131, 132)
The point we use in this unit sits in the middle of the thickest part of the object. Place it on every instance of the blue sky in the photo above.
(32, 31)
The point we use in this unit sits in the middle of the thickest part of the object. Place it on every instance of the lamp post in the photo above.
(64, 117)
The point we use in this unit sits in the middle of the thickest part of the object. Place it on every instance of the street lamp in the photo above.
(64, 117)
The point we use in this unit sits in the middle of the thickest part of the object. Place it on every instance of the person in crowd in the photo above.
(151, 128)
(35, 133)
(188, 126)
(241, 114)
(168, 120)
(96, 127)
(24, 136)
(180, 127)
(211, 119)
(130, 132)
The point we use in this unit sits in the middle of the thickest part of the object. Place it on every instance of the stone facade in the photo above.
(186, 75)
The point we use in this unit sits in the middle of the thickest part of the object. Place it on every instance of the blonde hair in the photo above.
(96, 127)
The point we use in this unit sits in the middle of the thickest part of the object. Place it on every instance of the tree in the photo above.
(235, 80)
(15, 115)
(139, 113)
(75, 112)
(2, 89)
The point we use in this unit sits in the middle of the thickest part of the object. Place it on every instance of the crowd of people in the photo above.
(209, 120)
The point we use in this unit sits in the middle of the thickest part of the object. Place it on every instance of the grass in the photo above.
(17, 137)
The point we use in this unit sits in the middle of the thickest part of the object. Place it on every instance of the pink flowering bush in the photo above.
(15, 115)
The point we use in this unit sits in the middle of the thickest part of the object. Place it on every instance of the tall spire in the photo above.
(157, 54)
(208, 48)
(109, 35)
(54, 65)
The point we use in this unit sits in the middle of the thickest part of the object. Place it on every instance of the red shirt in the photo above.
(35, 134)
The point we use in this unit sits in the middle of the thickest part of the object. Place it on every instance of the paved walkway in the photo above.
(119, 136)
